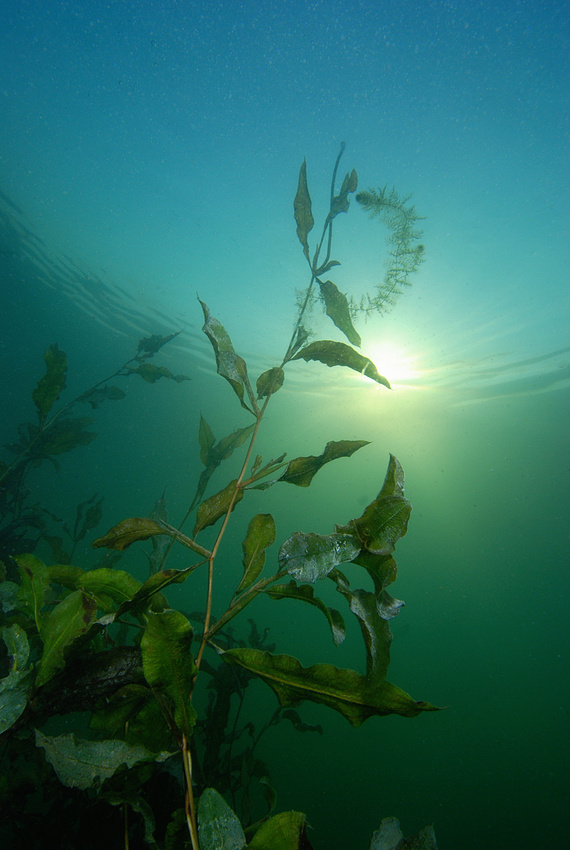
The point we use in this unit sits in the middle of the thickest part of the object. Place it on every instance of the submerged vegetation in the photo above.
(151, 762)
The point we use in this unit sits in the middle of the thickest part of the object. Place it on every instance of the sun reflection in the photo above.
(395, 363)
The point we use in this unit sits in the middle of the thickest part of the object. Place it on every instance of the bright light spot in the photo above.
(395, 363)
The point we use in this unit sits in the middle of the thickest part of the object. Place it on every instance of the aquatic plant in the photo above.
(101, 641)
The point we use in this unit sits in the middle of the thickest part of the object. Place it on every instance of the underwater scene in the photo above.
(284, 464)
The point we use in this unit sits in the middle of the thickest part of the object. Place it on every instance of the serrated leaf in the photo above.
(52, 384)
(217, 506)
(81, 764)
(169, 667)
(69, 619)
(309, 557)
(229, 365)
(354, 696)
(218, 826)
(337, 308)
(302, 210)
(306, 593)
(300, 470)
(260, 535)
(339, 354)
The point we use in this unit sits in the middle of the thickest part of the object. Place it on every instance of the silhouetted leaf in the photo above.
(216, 506)
(260, 535)
(336, 305)
(206, 439)
(339, 354)
(309, 557)
(340, 202)
(302, 210)
(230, 365)
(269, 382)
(53, 382)
(169, 666)
(127, 532)
(151, 373)
(69, 619)
(97, 395)
(91, 518)
(151, 344)
(356, 697)
(306, 593)
(300, 470)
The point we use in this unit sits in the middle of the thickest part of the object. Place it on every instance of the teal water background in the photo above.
(157, 144)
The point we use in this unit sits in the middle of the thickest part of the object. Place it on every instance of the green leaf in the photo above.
(69, 619)
(306, 593)
(34, 587)
(336, 306)
(97, 395)
(151, 587)
(309, 557)
(169, 667)
(230, 365)
(302, 210)
(127, 532)
(301, 470)
(207, 440)
(260, 535)
(217, 506)
(53, 382)
(81, 764)
(151, 373)
(385, 519)
(354, 696)
(339, 354)
(149, 345)
(16, 687)
(218, 826)
(63, 435)
(340, 202)
(285, 831)
(106, 584)
(269, 382)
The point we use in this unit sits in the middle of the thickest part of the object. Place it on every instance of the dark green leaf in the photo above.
(302, 209)
(105, 584)
(269, 382)
(218, 826)
(34, 587)
(152, 586)
(127, 532)
(151, 374)
(339, 354)
(206, 439)
(230, 365)
(300, 470)
(260, 535)
(53, 382)
(309, 557)
(336, 305)
(69, 619)
(169, 666)
(306, 593)
(151, 344)
(340, 202)
(98, 395)
(16, 686)
(79, 763)
(300, 725)
(217, 506)
(356, 697)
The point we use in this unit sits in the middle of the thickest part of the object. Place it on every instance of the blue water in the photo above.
(157, 145)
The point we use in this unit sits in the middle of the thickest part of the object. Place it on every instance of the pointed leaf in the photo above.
(339, 354)
(356, 697)
(34, 587)
(217, 506)
(151, 344)
(80, 764)
(306, 593)
(218, 826)
(260, 535)
(69, 619)
(269, 382)
(309, 557)
(229, 364)
(53, 382)
(300, 470)
(302, 210)
(284, 831)
(206, 439)
(151, 374)
(337, 308)
(127, 532)
(151, 587)
(169, 667)
(340, 202)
